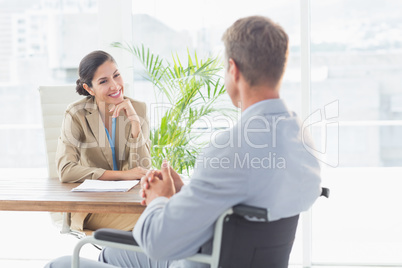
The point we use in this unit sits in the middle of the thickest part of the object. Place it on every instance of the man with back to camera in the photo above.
(261, 161)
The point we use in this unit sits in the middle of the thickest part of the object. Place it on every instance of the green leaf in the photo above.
(193, 90)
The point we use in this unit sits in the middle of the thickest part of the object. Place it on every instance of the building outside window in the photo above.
(356, 97)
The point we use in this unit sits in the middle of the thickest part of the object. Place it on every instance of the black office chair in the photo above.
(262, 244)
(243, 237)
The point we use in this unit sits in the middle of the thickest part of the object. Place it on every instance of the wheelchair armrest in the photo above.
(261, 213)
(325, 192)
(113, 235)
(251, 212)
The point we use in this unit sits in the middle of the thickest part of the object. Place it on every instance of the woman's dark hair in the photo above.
(88, 66)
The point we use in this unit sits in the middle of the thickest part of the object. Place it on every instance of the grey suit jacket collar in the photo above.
(270, 106)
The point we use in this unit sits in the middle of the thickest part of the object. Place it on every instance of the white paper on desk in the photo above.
(105, 186)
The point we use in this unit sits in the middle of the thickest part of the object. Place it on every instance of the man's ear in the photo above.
(88, 89)
(234, 70)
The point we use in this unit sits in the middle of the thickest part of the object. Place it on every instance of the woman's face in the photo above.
(107, 84)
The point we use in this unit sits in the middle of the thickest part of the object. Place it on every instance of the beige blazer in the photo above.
(83, 150)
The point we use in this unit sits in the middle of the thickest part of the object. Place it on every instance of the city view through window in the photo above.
(356, 95)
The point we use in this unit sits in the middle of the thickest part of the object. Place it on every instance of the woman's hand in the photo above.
(118, 175)
(135, 173)
(131, 114)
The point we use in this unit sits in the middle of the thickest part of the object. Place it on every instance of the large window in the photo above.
(356, 55)
(168, 27)
(355, 105)
(42, 43)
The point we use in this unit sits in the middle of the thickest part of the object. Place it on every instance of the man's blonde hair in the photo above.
(258, 46)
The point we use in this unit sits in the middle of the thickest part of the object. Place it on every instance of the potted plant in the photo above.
(191, 92)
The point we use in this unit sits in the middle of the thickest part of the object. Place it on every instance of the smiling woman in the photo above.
(104, 136)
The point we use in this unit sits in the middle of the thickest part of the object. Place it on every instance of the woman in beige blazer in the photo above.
(104, 136)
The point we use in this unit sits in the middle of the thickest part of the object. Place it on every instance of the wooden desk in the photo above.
(52, 195)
